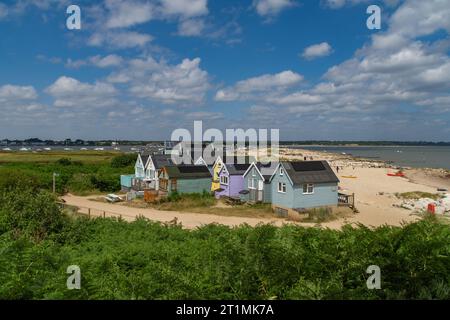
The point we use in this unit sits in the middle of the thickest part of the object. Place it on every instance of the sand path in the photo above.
(187, 219)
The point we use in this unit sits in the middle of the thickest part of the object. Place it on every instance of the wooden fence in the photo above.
(92, 212)
(346, 200)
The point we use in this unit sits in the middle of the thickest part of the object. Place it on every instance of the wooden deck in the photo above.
(347, 200)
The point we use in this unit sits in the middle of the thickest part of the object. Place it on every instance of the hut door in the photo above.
(260, 190)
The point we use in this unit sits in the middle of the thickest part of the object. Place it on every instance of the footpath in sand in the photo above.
(187, 219)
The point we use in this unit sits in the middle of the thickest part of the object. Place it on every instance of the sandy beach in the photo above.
(375, 194)
(374, 190)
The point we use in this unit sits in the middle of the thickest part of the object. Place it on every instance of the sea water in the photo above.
(406, 156)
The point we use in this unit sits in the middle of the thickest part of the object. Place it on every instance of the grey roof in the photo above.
(162, 160)
(237, 169)
(188, 171)
(144, 158)
(309, 172)
(267, 169)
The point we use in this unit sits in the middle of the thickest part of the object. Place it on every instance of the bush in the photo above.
(123, 160)
(13, 179)
(80, 183)
(31, 213)
(64, 162)
(105, 183)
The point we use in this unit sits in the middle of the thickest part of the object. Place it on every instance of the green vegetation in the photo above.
(124, 160)
(415, 195)
(53, 156)
(185, 201)
(206, 203)
(78, 172)
(148, 260)
(145, 260)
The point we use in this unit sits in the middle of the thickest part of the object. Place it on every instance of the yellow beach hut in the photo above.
(218, 164)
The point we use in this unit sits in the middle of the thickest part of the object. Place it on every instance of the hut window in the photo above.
(224, 180)
(281, 172)
(281, 187)
(308, 188)
(173, 186)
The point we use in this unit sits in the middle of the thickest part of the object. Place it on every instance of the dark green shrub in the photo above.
(123, 160)
(64, 162)
(27, 212)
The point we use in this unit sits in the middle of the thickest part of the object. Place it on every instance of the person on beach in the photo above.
(337, 169)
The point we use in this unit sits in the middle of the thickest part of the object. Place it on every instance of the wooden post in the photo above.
(89, 212)
(104, 214)
(353, 196)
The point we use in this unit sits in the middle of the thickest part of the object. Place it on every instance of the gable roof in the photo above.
(235, 168)
(188, 171)
(143, 158)
(162, 160)
(301, 172)
(265, 170)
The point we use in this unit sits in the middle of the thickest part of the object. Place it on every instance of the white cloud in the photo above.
(298, 98)
(264, 83)
(204, 115)
(111, 60)
(184, 83)
(12, 93)
(429, 17)
(119, 39)
(184, 8)
(18, 104)
(191, 27)
(271, 7)
(129, 13)
(69, 92)
(317, 50)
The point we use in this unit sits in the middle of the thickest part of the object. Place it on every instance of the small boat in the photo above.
(117, 148)
(397, 174)
(349, 177)
(24, 149)
(68, 149)
(6, 149)
(47, 149)
(99, 149)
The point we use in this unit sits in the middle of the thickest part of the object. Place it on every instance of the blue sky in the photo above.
(140, 69)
